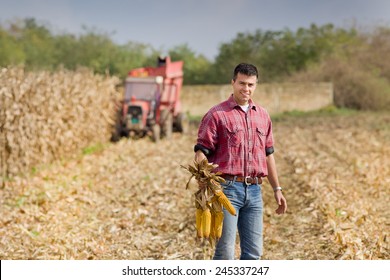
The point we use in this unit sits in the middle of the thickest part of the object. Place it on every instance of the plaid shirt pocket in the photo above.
(235, 136)
(260, 137)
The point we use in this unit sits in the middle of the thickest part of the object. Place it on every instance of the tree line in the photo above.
(316, 53)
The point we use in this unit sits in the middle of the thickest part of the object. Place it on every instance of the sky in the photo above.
(201, 24)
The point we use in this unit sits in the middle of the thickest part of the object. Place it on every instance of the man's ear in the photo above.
(232, 81)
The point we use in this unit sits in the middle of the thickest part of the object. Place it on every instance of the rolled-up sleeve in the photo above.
(269, 142)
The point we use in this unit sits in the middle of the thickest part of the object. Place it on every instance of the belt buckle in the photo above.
(246, 180)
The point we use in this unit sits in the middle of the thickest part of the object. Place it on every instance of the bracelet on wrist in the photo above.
(277, 189)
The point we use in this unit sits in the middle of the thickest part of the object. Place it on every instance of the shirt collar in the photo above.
(233, 103)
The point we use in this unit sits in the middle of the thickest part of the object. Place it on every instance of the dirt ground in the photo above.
(127, 200)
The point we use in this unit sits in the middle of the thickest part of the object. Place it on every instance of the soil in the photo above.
(127, 200)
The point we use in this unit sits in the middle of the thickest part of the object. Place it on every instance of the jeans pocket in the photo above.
(229, 189)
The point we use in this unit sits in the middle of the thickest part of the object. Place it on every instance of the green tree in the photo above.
(96, 51)
(38, 45)
(241, 49)
(133, 55)
(196, 67)
(10, 51)
(279, 54)
(65, 51)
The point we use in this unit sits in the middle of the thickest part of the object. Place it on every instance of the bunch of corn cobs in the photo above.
(209, 200)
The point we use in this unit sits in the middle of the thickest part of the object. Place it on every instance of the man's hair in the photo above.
(246, 69)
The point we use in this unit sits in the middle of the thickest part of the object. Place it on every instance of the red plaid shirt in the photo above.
(237, 140)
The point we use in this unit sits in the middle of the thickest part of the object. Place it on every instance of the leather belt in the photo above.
(248, 180)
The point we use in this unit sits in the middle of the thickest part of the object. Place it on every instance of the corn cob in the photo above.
(212, 226)
(218, 193)
(218, 223)
(199, 231)
(209, 200)
(206, 222)
(225, 202)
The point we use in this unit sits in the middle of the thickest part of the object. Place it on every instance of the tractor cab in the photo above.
(151, 102)
(141, 100)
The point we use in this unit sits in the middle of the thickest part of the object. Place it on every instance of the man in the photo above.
(237, 135)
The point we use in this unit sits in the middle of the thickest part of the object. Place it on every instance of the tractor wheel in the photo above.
(116, 132)
(182, 123)
(166, 124)
(156, 132)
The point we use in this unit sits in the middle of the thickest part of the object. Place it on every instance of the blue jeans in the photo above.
(248, 202)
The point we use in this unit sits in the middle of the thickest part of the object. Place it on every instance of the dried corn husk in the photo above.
(209, 199)
(46, 116)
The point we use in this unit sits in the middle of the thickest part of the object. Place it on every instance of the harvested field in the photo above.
(128, 200)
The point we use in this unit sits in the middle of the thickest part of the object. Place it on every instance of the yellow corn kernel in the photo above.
(206, 223)
(226, 203)
(199, 232)
(218, 224)
(212, 225)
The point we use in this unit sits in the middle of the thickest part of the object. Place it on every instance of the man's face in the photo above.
(243, 88)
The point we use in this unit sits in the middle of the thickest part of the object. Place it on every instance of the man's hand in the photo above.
(281, 201)
(199, 156)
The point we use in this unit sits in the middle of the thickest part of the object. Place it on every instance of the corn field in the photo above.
(128, 200)
(46, 116)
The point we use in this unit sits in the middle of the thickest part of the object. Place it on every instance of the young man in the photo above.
(237, 135)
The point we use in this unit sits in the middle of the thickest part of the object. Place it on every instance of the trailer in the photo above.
(151, 102)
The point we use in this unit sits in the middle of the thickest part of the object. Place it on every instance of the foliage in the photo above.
(196, 67)
(359, 70)
(278, 54)
(11, 52)
(32, 44)
(356, 62)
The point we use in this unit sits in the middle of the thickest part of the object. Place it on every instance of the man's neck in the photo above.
(237, 101)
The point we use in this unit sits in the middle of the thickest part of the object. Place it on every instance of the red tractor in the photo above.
(151, 103)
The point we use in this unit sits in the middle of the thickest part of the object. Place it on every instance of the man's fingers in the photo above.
(282, 207)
